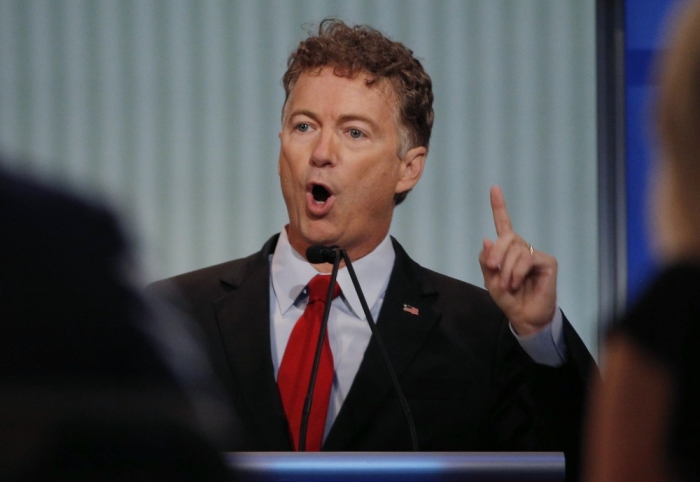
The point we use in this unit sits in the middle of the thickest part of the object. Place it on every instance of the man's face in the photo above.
(339, 165)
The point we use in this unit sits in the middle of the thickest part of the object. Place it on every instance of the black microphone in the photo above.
(318, 254)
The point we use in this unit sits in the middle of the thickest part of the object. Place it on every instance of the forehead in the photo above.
(326, 88)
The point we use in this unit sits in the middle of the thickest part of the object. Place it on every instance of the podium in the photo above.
(395, 466)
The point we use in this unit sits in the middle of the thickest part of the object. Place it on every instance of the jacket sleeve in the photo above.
(539, 407)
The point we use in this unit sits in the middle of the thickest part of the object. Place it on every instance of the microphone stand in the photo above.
(380, 345)
(317, 355)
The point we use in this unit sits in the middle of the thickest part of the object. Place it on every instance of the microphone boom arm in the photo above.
(317, 356)
(380, 345)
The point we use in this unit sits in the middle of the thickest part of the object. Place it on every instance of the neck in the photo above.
(354, 253)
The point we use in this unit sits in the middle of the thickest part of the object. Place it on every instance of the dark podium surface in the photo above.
(390, 466)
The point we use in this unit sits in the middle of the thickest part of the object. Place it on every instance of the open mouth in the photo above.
(320, 194)
(319, 199)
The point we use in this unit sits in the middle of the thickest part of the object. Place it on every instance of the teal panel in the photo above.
(169, 111)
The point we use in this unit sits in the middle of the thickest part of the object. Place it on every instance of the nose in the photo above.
(324, 152)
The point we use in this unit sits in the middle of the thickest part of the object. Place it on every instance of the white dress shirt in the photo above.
(348, 331)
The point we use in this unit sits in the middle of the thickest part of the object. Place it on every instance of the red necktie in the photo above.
(297, 362)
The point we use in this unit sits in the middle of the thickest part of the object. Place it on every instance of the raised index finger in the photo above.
(500, 212)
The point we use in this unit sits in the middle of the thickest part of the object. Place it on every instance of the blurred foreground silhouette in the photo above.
(92, 385)
(645, 423)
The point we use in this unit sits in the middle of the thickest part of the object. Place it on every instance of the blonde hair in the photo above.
(677, 110)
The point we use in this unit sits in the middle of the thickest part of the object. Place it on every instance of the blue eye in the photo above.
(355, 133)
(303, 127)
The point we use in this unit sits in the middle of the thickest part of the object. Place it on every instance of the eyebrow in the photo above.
(361, 118)
(305, 112)
(343, 118)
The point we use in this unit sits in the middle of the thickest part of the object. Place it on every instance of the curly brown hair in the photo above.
(362, 49)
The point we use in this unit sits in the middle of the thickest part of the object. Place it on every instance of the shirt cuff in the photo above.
(547, 346)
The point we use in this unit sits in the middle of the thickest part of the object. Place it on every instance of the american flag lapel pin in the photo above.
(410, 309)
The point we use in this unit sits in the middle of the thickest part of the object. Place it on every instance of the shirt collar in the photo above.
(290, 273)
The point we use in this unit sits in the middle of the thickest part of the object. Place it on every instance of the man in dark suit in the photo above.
(496, 370)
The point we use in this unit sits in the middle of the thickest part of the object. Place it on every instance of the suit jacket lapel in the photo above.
(402, 333)
(243, 315)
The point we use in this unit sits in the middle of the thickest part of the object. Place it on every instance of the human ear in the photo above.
(411, 168)
(279, 159)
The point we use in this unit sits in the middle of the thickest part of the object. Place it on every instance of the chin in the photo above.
(311, 235)
(325, 240)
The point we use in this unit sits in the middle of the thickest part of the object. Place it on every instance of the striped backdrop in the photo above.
(169, 110)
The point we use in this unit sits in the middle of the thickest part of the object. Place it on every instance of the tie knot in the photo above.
(318, 288)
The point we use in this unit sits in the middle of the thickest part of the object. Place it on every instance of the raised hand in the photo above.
(521, 280)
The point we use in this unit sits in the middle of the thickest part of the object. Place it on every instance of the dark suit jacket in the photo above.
(468, 383)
